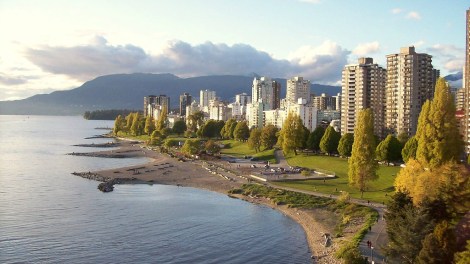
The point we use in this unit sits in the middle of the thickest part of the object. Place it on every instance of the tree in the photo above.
(345, 144)
(362, 165)
(241, 132)
(403, 138)
(170, 142)
(464, 256)
(117, 125)
(409, 150)
(129, 121)
(179, 127)
(156, 138)
(149, 125)
(209, 129)
(437, 134)
(212, 147)
(231, 132)
(254, 141)
(191, 146)
(389, 149)
(291, 136)
(438, 246)
(407, 226)
(162, 120)
(330, 140)
(219, 125)
(226, 131)
(314, 138)
(195, 121)
(268, 136)
(138, 123)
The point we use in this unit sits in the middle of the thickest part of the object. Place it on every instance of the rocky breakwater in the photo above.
(107, 184)
(97, 154)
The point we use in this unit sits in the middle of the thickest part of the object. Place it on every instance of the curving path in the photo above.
(378, 233)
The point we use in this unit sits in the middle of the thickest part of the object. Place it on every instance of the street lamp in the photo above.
(372, 255)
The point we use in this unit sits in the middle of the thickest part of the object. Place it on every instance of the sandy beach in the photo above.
(163, 169)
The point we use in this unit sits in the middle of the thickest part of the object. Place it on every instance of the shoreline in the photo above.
(165, 170)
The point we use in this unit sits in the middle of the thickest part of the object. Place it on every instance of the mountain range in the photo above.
(126, 91)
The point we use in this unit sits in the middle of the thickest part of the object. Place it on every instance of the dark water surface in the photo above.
(48, 215)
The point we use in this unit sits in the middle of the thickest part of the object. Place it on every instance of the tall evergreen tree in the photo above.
(345, 144)
(117, 125)
(438, 137)
(330, 140)
(362, 165)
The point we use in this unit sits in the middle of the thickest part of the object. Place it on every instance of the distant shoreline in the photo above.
(163, 169)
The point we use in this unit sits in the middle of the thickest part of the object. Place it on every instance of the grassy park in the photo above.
(241, 149)
(379, 190)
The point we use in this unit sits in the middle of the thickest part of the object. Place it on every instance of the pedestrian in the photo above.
(370, 228)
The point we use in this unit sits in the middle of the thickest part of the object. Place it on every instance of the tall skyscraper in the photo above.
(151, 102)
(411, 80)
(297, 88)
(266, 91)
(363, 86)
(205, 96)
(185, 100)
(243, 99)
(466, 82)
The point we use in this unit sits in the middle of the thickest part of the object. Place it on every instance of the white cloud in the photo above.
(451, 57)
(364, 49)
(419, 43)
(322, 63)
(413, 15)
(396, 11)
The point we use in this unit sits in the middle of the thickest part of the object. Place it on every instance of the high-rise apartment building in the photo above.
(204, 97)
(363, 86)
(324, 102)
(243, 99)
(466, 82)
(411, 80)
(297, 88)
(266, 91)
(151, 102)
(185, 100)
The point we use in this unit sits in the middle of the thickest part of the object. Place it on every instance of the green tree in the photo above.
(137, 126)
(330, 140)
(212, 147)
(149, 125)
(437, 134)
(362, 165)
(191, 147)
(389, 149)
(117, 125)
(403, 138)
(170, 142)
(219, 125)
(269, 136)
(438, 246)
(345, 144)
(162, 120)
(179, 127)
(314, 138)
(291, 136)
(254, 141)
(407, 226)
(156, 138)
(241, 132)
(195, 121)
(231, 132)
(209, 129)
(409, 150)
(129, 121)
(226, 131)
(463, 257)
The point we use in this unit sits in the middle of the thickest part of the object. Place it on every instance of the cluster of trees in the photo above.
(425, 219)
(106, 114)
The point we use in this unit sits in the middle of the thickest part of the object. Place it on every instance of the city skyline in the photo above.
(49, 45)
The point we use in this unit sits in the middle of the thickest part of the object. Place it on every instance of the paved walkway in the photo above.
(378, 233)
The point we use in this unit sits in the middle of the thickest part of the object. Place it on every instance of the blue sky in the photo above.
(56, 45)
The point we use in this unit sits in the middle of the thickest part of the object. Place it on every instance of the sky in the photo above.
(52, 45)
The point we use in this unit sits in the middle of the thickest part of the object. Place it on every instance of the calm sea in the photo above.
(48, 215)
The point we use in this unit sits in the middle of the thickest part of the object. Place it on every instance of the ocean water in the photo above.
(48, 215)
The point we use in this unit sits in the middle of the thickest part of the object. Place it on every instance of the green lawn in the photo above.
(379, 190)
(240, 149)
